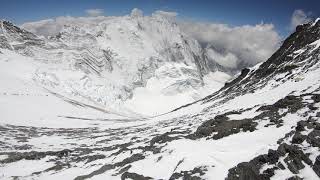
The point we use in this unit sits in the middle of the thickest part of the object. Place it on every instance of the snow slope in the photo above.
(24, 102)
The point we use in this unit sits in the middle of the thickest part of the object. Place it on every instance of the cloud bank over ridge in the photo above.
(235, 46)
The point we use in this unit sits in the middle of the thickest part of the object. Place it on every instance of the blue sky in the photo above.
(232, 12)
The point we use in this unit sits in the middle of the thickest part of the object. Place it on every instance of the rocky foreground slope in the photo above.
(265, 124)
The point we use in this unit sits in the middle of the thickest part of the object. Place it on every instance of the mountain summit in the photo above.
(87, 58)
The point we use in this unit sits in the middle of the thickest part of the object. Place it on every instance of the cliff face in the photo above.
(105, 60)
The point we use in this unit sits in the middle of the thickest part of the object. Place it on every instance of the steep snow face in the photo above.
(104, 60)
(12, 37)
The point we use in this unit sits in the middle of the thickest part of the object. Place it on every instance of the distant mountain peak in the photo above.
(123, 52)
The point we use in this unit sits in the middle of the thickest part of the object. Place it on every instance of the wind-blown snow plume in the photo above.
(51, 27)
(298, 17)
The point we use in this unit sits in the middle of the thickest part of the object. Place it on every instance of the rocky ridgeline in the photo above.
(290, 56)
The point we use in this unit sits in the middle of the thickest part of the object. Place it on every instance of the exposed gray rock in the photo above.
(194, 174)
(293, 154)
(222, 127)
(34, 155)
(133, 176)
(106, 167)
(295, 178)
(316, 166)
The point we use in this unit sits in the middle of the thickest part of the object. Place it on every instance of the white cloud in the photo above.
(51, 27)
(94, 12)
(165, 13)
(227, 60)
(298, 17)
(136, 12)
(235, 47)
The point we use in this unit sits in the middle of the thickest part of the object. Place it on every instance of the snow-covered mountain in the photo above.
(262, 125)
(106, 60)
